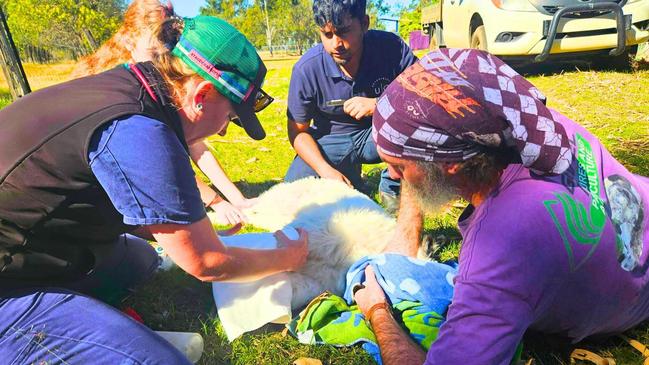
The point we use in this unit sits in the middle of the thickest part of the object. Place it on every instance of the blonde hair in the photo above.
(174, 71)
(141, 16)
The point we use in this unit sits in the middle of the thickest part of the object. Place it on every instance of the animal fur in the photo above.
(343, 225)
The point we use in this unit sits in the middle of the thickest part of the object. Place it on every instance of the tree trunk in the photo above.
(269, 34)
(11, 65)
(28, 53)
(91, 40)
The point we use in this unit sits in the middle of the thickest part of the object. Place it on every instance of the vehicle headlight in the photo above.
(514, 5)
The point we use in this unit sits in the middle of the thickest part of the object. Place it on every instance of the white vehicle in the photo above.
(539, 28)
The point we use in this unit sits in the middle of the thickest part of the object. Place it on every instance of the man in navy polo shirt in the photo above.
(335, 85)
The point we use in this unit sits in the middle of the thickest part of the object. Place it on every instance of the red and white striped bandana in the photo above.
(455, 103)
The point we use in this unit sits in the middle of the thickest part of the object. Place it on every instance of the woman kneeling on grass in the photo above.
(134, 42)
(84, 162)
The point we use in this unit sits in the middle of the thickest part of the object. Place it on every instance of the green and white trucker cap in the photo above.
(222, 55)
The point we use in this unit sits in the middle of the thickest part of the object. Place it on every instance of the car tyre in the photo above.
(479, 38)
(435, 32)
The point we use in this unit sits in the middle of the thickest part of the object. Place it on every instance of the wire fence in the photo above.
(284, 49)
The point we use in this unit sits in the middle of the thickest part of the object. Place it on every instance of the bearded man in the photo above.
(553, 236)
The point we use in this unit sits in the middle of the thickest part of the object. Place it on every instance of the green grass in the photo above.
(5, 97)
(613, 105)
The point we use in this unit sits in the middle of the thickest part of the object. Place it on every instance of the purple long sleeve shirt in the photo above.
(562, 254)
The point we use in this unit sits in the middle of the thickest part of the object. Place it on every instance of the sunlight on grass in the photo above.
(40, 76)
(5, 97)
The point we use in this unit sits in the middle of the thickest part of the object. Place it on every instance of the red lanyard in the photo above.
(142, 80)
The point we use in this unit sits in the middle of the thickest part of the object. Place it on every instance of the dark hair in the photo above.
(485, 168)
(482, 170)
(333, 11)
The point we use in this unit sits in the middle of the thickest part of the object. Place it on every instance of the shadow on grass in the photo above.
(175, 301)
(371, 180)
(554, 350)
(527, 67)
(633, 155)
(546, 349)
(253, 189)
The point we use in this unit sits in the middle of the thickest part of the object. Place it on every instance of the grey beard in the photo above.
(434, 192)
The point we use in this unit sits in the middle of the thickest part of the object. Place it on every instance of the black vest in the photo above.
(52, 209)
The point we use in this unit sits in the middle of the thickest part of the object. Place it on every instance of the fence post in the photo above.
(11, 65)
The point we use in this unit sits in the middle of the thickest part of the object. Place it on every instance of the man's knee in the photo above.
(142, 257)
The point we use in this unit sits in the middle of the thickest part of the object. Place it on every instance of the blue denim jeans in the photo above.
(346, 153)
(57, 326)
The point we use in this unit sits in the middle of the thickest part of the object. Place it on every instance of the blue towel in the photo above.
(419, 292)
(406, 278)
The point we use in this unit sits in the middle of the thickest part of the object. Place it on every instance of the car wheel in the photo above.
(479, 38)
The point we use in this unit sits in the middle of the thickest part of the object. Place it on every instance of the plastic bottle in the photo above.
(189, 343)
(166, 263)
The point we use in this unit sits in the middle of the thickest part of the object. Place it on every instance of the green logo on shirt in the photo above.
(583, 227)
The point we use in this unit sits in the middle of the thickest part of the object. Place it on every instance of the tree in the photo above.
(293, 23)
(272, 22)
(410, 19)
(253, 25)
(375, 10)
(228, 10)
(11, 65)
(269, 29)
(70, 25)
(303, 26)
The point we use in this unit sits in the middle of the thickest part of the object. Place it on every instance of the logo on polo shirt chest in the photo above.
(379, 85)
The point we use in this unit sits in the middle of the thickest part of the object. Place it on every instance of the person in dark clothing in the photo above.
(331, 99)
(91, 167)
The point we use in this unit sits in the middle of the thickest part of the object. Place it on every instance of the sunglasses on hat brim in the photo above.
(262, 100)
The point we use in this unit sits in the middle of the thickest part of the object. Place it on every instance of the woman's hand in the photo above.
(296, 250)
(245, 203)
(228, 214)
